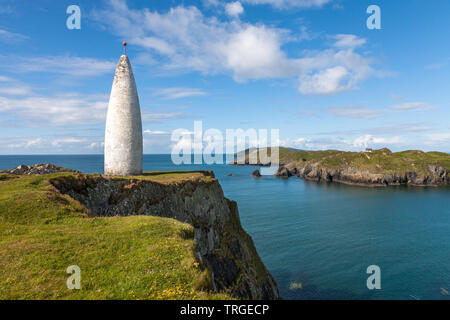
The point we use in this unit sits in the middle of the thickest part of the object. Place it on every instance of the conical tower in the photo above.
(123, 136)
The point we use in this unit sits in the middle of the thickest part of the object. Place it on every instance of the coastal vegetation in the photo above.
(369, 167)
(134, 257)
(161, 235)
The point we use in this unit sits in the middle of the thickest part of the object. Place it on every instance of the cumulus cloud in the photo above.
(254, 53)
(325, 82)
(369, 140)
(183, 39)
(234, 9)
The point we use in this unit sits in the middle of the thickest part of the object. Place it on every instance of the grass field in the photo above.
(136, 257)
(377, 161)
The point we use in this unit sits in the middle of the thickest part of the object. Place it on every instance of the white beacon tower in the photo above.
(123, 135)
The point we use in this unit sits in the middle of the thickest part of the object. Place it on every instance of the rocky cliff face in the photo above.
(435, 175)
(222, 245)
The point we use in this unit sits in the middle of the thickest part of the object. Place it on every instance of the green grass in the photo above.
(378, 161)
(136, 257)
(168, 177)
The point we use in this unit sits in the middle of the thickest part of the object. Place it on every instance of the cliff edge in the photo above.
(227, 260)
(380, 167)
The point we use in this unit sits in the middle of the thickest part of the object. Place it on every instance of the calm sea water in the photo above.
(324, 236)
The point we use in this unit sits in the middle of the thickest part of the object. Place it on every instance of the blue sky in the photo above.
(310, 68)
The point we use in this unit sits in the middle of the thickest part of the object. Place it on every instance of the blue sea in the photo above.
(317, 239)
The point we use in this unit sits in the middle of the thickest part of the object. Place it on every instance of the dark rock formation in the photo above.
(222, 245)
(246, 162)
(282, 172)
(435, 175)
(46, 168)
(256, 174)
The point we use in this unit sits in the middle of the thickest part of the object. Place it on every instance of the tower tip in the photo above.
(124, 47)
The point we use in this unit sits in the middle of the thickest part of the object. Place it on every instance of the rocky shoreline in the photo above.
(45, 168)
(378, 168)
(435, 176)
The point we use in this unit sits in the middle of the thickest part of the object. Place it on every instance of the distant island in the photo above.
(369, 168)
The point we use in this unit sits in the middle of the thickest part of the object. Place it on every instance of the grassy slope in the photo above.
(135, 257)
(379, 161)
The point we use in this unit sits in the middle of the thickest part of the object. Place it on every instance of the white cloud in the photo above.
(412, 106)
(213, 3)
(435, 66)
(176, 93)
(33, 142)
(96, 145)
(155, 43)
(183, 39)
(155, 132)
(15, 91)
(74, 109)
(326, 82)
(355, 112)
(74, 66)
(8, 36)
(5, 79)
(52, 144)
(348, 41)
(160, 116)
(339, 143)
(369, 140)
(234, 9)
(255, 53)
(58, 142)
(281, 4)
(438, 139)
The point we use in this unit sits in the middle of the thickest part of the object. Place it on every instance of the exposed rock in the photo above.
(283, 172)
(45, 168)
(371, 167)
(256, 174)
(222, 245)
(246, 162)
(435, 175)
